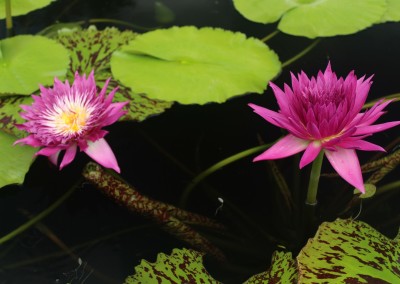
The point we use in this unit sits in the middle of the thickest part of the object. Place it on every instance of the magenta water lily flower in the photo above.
(69, 117)
(323, 114)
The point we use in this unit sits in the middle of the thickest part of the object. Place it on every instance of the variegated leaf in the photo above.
(91, 49)
(347, 251)
(182, 266)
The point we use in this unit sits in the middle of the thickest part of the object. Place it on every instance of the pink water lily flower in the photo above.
(323, 114)
(69, 117)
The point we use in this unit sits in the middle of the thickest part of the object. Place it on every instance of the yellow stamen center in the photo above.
(71, 122)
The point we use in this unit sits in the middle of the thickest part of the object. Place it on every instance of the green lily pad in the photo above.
(182, 266)
(9, 114)
(392, 13)
(191, 65)
(263, 11)
(22, 7)
(14, 160)
(282, 270)
(91, 49)
(347, 251)
(27, 61)
(315, 18)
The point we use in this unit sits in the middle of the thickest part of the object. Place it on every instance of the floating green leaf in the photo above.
(315, 18)
(9, 114)
(191, 65)
(392, 13)
(27, 61)
(347, 251)
(182, 266)
(14, 160)
(22, 7)
(91, 49)
(283, 270)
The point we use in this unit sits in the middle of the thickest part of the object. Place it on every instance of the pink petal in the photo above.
(68, 156)
(360, 145)
(369, 129)
(287, 146)
(48, 151)
(29, 140)
(310, 154)
(346, 164)
(272, 117)
(54, 158)
(101, 152)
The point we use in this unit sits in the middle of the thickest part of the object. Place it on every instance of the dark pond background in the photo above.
(112, 241)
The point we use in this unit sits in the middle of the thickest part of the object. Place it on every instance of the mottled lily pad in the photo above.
(182, 266)
(282, 270)
(9, 114)
(27, 61)
(14, 160)
(22, 7)
(315, 18)
(91, 49)
(347, 251)
(191, 65)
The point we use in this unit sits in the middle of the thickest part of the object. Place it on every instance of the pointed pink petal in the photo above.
(101, 152)
(346, 164)
(360, 145)
(54, 158)
(29, 140)
(272, 117)
(369, 129)
(310, 153)
(48, 151)
(287, 146)
(68, 156)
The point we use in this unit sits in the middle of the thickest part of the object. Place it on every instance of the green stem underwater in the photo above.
(314, 180)
(40, 216)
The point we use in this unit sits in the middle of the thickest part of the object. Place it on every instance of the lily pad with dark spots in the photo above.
(91, 49)
(347, 251)
(282, 270)
(182, 266)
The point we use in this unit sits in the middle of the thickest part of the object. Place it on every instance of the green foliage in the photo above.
(182, 266)
(312, 18)
(91, 49)
(27, 61)
(15, 160)
(347, 251)
(282, 270)
(191, 65)
(343, 251)
(392, 13)
(22, 7)
(9, 114)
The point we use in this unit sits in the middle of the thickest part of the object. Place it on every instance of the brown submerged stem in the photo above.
(172, 219)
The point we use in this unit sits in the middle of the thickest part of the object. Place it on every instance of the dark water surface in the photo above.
(197, 136)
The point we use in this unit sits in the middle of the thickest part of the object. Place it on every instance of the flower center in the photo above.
(71, 122)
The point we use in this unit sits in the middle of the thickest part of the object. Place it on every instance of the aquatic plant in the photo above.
(69, 117)
(322, 116)
(121, 75)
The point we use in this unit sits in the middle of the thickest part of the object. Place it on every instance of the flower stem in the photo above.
(9, 24)
(268, 37)
(40, 216)
(301, 54)
(314, 179)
